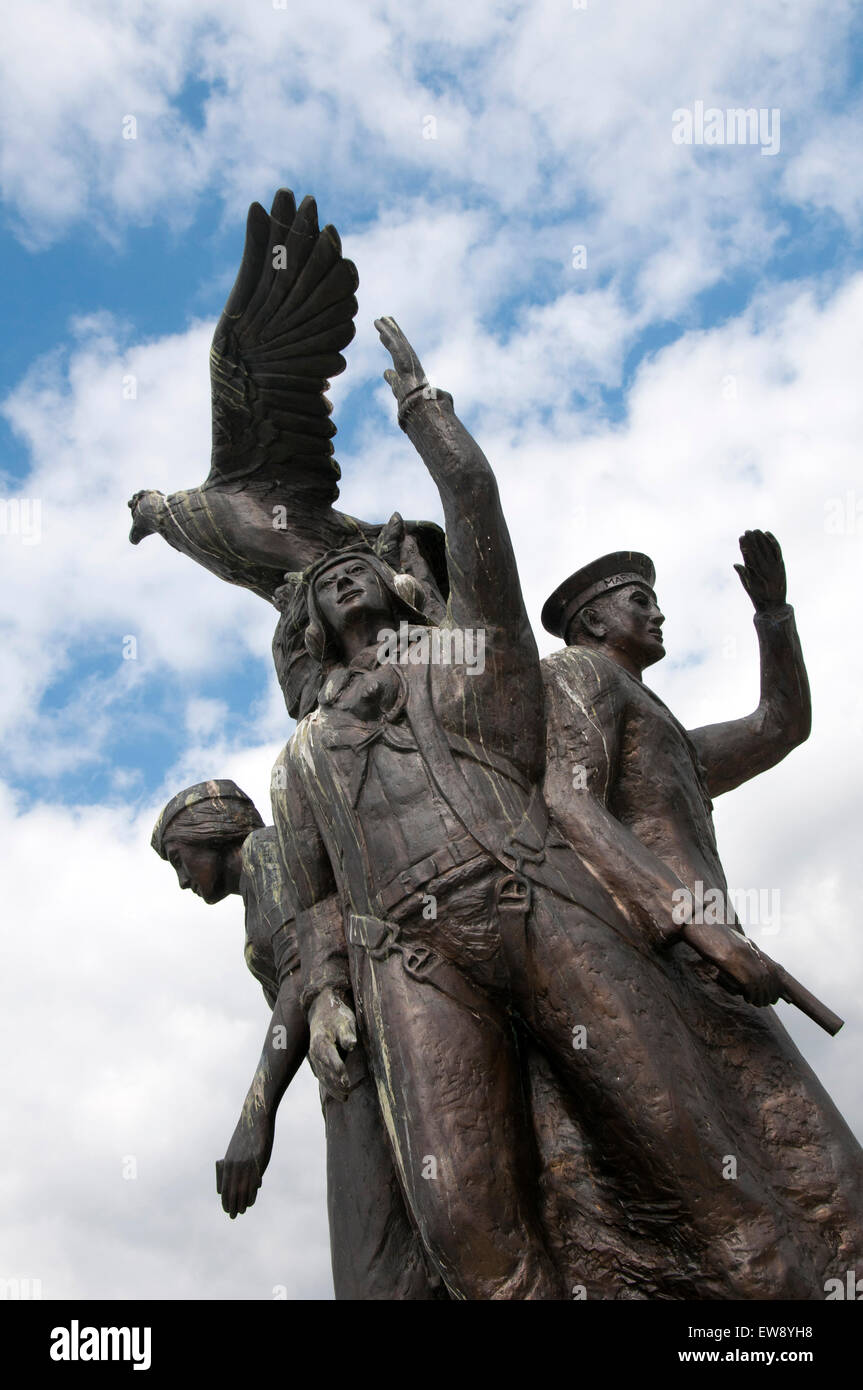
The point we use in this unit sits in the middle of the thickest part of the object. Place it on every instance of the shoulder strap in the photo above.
(523, 849)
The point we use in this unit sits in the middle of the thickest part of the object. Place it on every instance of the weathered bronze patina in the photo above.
(265, 510)
(632, 790)
(413, 790)
(546, 1072)
(217, 843)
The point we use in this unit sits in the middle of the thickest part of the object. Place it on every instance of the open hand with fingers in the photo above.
(762, 573)
(406, 376)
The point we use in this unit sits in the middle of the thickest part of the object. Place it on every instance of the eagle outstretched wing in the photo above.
(265, 510)
(276, 345)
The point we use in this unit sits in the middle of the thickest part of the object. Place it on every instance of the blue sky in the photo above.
(699, 376)
(153, 281)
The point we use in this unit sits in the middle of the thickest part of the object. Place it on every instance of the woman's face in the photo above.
(199, 867)
(348, 592)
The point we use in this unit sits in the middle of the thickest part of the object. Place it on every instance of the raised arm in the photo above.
(484, 583)
(734, 751)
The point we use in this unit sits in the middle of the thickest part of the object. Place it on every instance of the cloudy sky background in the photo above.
(700, 375)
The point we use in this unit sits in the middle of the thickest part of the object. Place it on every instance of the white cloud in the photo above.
(83, 589)
(540, 109)
(128, 1019)
(825, 175)
(132, 1029)
(158, 1030)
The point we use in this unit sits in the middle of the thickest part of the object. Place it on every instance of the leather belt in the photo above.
(410, 880)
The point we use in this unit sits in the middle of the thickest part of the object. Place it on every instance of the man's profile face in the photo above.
(633, 623)
(199, 867)
(349, 591)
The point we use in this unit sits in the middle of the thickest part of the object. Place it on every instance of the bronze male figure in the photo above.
(632, 790)
(413, 791)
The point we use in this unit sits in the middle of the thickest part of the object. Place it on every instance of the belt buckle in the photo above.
(417, 958)
(512, 894)
(412, 879)
(373, 933)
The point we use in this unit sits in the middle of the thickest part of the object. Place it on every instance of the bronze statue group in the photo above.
(540, 1078)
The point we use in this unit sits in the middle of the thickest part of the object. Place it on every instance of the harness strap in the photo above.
(381, 939)
(524, 849)
(478, 754)
(410, 880)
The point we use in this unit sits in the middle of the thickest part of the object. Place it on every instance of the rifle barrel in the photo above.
(795, 993)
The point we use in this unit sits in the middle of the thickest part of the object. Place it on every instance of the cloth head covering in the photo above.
(215, 810)
(599, 577)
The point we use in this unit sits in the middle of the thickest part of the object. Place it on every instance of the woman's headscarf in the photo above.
(205, 813)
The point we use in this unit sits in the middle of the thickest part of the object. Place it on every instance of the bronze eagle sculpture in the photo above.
(265, 511)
